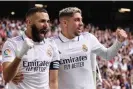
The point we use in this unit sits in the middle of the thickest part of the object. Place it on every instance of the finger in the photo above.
(118, 29)
(19, 73)
(18, 78)
(16, 83)
(123, 34)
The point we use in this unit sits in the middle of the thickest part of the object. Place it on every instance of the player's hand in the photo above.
(121, 35)
(27, 44)
(18, 78)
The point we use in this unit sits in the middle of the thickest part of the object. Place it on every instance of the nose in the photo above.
(81, 23)
(46, 25)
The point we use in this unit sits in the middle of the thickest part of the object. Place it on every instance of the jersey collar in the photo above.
(25, 36)
(64, 39)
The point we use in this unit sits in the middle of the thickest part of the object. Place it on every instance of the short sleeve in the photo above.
(8, 51)
(56, 57)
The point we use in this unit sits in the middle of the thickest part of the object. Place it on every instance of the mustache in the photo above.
(45, 30)
(36, 32)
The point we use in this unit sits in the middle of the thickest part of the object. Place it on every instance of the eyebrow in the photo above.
(44, 20)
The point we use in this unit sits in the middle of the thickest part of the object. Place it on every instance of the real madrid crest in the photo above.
(49, 51)
(84, 48)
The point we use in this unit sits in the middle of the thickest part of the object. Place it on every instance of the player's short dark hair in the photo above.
(69, 11)
(34, 10)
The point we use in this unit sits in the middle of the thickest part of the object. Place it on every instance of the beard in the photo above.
(37, 33)
(77, 34)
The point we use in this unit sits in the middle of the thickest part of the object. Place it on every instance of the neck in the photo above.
(28, 34)
(67, 35)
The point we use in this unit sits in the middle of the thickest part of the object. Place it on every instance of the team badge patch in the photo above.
(49, 51)
(85, 48)
(7, 52)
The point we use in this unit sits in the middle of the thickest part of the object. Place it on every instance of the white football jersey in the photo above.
(75, 71)
(34, 65)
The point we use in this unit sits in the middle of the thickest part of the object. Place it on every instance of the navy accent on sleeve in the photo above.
(54, 65)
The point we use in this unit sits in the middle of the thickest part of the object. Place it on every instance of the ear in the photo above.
(28, 21)
(65, 22)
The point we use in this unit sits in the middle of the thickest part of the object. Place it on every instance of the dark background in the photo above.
(97, 12)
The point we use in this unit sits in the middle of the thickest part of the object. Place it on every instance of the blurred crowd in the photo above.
(116, 73)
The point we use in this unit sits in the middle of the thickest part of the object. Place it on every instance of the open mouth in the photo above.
(43, 32)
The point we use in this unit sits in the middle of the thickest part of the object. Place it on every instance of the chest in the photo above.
(74, 55)
(39, 53)
(77, 48)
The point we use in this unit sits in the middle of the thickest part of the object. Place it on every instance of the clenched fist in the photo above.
(121, 35)
(27, 44)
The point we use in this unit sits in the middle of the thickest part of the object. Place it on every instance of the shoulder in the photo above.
(17, 38)
(51, 43)
(13, 41)
(87, 35)
(50, 40)
(55, 38)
